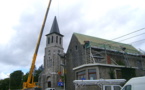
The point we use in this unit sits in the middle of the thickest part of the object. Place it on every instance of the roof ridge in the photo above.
(102, 39)
(96, 41)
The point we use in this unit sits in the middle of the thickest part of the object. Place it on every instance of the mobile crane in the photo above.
(30, 84)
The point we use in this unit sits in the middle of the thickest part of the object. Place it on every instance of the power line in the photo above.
(125, 35)
(128, 34)
(138, 41)
(132, 37)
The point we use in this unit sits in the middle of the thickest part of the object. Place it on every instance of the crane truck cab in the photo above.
(137, 83)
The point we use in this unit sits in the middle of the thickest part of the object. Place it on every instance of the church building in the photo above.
(92, 58)
(51, 74)
(87, 58)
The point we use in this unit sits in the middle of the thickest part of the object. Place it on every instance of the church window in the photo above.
(76, 47)
(48, 40)
(56, 39)
(59, 40)
(49, 52)
(70, 50)
(58, 51)
(52, 39)
(49, 62)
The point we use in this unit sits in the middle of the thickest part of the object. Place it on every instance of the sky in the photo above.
(21, 20)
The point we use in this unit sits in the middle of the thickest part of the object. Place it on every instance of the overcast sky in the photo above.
(21, 20)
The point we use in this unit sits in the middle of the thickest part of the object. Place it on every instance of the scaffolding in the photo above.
(97, 53)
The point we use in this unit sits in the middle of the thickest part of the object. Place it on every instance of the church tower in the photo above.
(52, 61)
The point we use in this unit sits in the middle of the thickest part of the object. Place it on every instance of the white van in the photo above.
(137, 83)
(111, 87)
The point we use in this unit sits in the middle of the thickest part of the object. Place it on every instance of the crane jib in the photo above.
(30, 83)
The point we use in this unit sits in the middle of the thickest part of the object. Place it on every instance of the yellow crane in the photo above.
(30, 82)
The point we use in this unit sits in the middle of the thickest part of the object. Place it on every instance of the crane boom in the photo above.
(30, 84)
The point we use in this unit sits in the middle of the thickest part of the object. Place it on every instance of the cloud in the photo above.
(19, 33)
(3, 75)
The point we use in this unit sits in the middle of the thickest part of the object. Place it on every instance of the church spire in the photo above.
(54, 28)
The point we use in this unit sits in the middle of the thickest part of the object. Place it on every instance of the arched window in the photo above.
(48, 40)
(56, 39)
(60, 40)
(76, 47)
(52, 39)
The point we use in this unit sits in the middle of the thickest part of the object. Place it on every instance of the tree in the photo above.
(4, 84)
(16, 79)
(41, 68)
(25, 77)
(37, 72)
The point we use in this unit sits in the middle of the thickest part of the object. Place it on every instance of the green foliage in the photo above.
(16, 79)
(62, 77)
(37, 72)
(4, 84)
(111, 74)
(25, 77)
(119, 62)
(128, 73)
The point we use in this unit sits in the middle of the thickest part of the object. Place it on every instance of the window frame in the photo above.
(56, 39)
(52, 39)
(117, 71)
(79, 75)
(124, 88)
(48, 40)
(112, 87)
(89, 73)
(60, 40)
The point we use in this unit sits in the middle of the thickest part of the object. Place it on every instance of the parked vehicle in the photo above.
(111, 87)
(137, 83)
(50, 89)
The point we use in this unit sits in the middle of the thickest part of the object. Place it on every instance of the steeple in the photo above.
(54, 45)
(54, 28)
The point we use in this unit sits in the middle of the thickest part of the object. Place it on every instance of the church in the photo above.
(92, 58)
(87, 58)
(52, 73)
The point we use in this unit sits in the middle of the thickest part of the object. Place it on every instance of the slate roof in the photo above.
(54, 28)
(106, 44)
